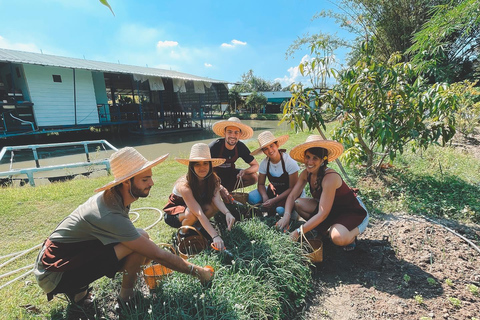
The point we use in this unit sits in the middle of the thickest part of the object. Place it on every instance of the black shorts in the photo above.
(78, 279)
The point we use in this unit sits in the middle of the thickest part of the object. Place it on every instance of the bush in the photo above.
(268, 278)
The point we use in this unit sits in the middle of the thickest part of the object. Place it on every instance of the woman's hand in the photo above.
(268, 203)
(218, 243)
(230, 220)
(283, 223)
(294, 235)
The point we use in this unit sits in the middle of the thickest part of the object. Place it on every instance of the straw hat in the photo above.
(334, 148)
(266, 138)
(201, 152)
(127, 163)
(219, 128)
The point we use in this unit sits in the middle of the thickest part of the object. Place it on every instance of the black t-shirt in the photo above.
(243, 151)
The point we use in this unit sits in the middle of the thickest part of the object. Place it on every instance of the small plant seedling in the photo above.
(419, 299)
(406, 278)
(473, 289)
(449, 282)
(455, 302)
(431, 281)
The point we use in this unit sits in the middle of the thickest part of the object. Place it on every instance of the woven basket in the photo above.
(155, 272)
(190, 245)
(313, 248)
(240, 196)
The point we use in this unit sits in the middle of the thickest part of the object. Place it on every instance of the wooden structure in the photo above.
(42, 93)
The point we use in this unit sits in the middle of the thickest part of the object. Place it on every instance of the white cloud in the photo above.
(208, 65)
(30, 47)
(234, 43)
(238, 42)
(167, 44)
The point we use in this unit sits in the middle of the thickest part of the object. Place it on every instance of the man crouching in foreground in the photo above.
(98, 238)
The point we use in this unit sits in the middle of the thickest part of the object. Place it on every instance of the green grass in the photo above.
(439, 182)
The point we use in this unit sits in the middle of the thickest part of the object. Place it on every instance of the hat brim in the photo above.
(335, 149)
(145, 167)
(215, 161)
(219, 129)
(280, 141)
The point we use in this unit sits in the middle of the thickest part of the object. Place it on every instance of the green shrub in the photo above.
(268, 278)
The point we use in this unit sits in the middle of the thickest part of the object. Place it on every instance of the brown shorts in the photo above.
(174, 207)
(349, 220)
(76, 280)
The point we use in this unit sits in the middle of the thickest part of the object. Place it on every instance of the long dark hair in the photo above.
(203, 194)
(322, 153)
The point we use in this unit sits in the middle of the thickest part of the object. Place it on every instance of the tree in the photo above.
(447, 47)
(255, 101)
(384, 107)
(235, 99)
(251, 83)
(390, 24)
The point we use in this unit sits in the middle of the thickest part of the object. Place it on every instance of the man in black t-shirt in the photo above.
(230, 147)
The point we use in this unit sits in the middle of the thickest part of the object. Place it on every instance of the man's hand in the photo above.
(240, 174)
(205, 274)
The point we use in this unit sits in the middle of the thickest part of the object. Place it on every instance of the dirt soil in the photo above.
(404, 267)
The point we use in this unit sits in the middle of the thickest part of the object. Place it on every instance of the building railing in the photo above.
(29, 172)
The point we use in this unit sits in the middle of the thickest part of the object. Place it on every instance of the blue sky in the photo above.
(219, 39)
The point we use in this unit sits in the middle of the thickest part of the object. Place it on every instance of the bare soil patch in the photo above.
(404, 267)
(371, 282)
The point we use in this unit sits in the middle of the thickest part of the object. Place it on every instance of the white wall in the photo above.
(53, 102)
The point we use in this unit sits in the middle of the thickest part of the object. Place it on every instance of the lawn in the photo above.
(29, 214)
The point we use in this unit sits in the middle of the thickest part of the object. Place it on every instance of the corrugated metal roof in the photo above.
(14, 56)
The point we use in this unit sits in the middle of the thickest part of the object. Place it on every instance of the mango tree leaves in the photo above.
(105, 3)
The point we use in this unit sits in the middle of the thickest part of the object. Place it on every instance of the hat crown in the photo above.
(234, 119)
(314, 137)
(265, 138)
(200, 151)
(125, 161)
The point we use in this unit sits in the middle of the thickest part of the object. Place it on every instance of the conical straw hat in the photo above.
(127, 163)
(201, 152)
(219, 128)
(266, 138)
(335, 149)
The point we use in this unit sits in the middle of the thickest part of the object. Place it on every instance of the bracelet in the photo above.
(192, 269)
(298, 231)
(227, 213)
(216, 236)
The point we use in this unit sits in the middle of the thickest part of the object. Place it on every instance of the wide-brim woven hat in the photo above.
(219, 128)
(127, 163)
(335, 149)
(266, 138)
(201, 152)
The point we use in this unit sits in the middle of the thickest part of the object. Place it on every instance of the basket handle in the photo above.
(302, 236)
(189, 228)
(168, 246)
(239, 185)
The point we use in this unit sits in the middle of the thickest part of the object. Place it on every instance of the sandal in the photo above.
(351, 246)
(85, 302)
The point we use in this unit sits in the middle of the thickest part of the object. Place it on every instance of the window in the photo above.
(57, 78)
